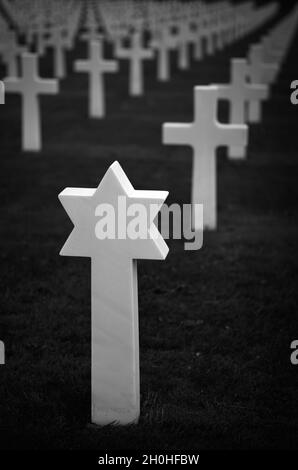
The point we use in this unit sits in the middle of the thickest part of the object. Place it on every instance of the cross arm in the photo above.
(147, 54)
(82, 66)
(224, 92)
(13, 85)
(232, 135)
(110, 66)
(257, 92)
(177, 134)
(76, 203)
(49, 87)
(122, 53)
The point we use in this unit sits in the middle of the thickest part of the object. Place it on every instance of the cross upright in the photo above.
(30, 86)
(136, 54)
(2, 353)
(2, 93)
(96, 66)
(240, 93)
(91, 23)
(205, 134)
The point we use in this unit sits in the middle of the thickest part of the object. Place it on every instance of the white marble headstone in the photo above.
(163, 43)
(2, 353)
(240, 93)
(114, 291)
(96, 66)
(30, 86)
(136, 54)
(205, 134)
(59, 42)
(183, 45)
(11, 51)
(259, 72)
(2, 93)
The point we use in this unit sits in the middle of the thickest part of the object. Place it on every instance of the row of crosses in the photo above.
(114, 292)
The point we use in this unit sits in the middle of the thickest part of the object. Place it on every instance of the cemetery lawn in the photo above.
(215, 325)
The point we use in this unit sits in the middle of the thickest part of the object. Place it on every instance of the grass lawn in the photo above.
(215, 325)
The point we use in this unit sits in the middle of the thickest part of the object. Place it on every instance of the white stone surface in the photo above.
(204, 135)
(30, 86)
(11, 51)
(2, 93)
(2, 353)
(96, 66)
(59, 42)
(136, 54)
(163, 43)
(240, 93)
(115, 334)
(260, 72)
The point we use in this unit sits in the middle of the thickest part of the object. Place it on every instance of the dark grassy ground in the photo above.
(215, 325)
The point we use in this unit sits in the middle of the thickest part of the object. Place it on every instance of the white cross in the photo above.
(240, 93)
(30, 86)
(207, 31)
(198, 46)
(91, 23)
(91, 36)
(41, 29)
(261, 73)
(183, 39)
(96, 66)
(272, 52)
(136, 54)
(2, 353)
(114, 291)
(259, 70)
(11, 51)
(2, 93)
(204, 135)
(60, 41)
(163, 43)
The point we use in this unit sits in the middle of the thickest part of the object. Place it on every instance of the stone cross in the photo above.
(91, 24)
(30, 86)
(11, 51)
(259, 72)
(136, 54)
(183, 39)
(240, 93)
(198, 41)
(163, 43)
(2, 93)
(97, 214)
(60, 42)
(96, 66)
(41, 29)
(204, 135)
(92, 35)
(2, 353)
